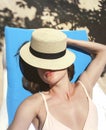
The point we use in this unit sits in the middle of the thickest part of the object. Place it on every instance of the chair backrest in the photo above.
(14, 38)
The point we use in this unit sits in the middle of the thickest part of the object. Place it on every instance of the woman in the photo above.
(65, 105)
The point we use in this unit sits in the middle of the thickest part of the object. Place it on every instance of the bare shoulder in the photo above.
(85, 81)
(31, 103)
(27, 111)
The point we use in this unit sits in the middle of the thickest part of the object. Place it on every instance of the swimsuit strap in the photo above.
(44, 99)
(84, 88)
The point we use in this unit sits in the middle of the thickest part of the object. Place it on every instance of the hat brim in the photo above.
(51, 64)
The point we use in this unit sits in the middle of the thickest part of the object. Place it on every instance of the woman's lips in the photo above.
(48, 73)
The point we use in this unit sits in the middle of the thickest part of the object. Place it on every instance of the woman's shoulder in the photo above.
(84, 81)
(32, 102)
(33, 99)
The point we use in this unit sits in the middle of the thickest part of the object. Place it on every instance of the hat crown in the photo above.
(47, 50)
(47, 40)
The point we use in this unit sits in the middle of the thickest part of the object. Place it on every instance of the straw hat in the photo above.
(47, 50)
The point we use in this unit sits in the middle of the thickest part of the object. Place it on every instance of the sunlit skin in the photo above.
(52, 77)
(56, 79)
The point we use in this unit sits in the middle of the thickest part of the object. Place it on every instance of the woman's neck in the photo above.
(63, 89)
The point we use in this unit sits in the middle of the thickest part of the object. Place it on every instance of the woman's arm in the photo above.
(26, 112)
(97, 65)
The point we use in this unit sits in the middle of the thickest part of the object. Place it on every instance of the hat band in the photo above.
(47, 55)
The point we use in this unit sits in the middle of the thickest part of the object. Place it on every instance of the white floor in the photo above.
(99, 99)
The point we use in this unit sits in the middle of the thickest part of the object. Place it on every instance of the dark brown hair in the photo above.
(32, 81)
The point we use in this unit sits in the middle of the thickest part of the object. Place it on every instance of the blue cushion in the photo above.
(14, 38)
